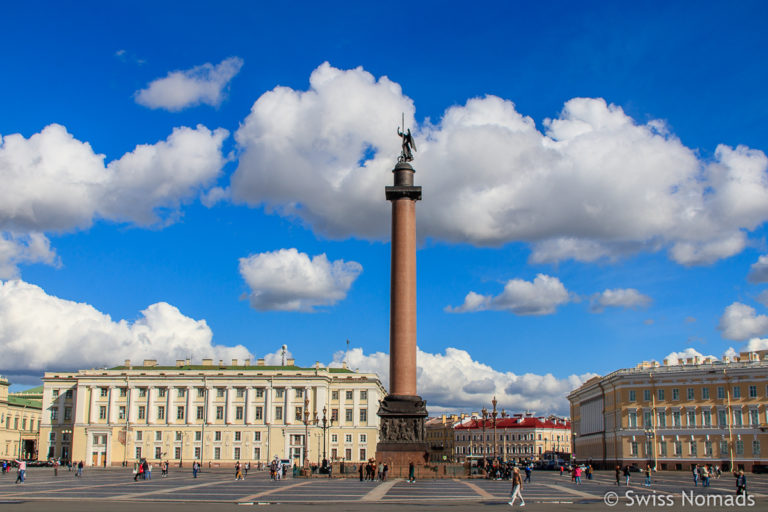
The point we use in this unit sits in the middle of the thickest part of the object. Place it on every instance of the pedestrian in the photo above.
(517, 488)
(149, 471)
(138, 472)
(647, 475)
(561, 470)
(577, 475)
(360, 470)
(618, 475)
(55, 467)
(386, 471)
(238, 471)
(589, 471)
(705, 476)
(247, 467)
(411, 472)
(741, 483)
(341, 467)
(145, 469)
(695, 470)
(528, 473)
(380, 476)
(22, 471)
(626, 475)
(195, 469)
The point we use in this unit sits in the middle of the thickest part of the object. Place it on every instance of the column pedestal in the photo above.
(402, 436)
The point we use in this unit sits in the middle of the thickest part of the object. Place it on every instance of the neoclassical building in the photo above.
(675, 414)
(212, 412)
(19, 422)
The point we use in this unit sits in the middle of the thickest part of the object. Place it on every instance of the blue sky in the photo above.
(508, 195)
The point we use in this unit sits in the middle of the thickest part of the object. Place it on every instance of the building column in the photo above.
(248, 406)
(229, 407)
(151, 410)
(94, 415)
(288, 402)
(190, 416)
(356, 407)
(168, 404)
(210, 408)
(268, 405)
(129, 412)
(79, 405)
(111, 406)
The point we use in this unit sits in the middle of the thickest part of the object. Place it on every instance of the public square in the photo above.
(114, 489)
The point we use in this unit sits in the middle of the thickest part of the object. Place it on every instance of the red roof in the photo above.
(514, 423)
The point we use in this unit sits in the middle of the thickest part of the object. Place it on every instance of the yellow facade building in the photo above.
(675, 414)
(213, 413)
(19, 423)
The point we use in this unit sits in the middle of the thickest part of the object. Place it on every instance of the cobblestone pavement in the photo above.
(114, 489)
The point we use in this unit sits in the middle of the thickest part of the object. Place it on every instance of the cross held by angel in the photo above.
(409, 145)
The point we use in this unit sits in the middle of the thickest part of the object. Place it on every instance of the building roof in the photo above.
(216, 367)
(24, 402)
(501, 423)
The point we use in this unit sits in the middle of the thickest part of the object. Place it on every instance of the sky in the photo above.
(195, 180)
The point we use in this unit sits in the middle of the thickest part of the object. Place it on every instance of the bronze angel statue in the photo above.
(406, 155)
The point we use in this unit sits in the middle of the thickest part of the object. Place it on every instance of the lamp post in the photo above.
(494, 413)
(306, 432)
(485, 418)
(326, 425)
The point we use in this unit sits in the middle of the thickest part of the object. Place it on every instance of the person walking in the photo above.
(195, 469)
(360, 470)
(705, 476)
(238, 471)
(55, 467)
(577, 475)
(149, 471)
(618, 475)
(589, 471)
(647, 475)
(411, 472)
(626, 475)
(386, 472)
(528, 473)
(695, 471)
(139, 472)
(247, 467)
(517, 488)
(22, 471)
(741, 483)
(80, 469)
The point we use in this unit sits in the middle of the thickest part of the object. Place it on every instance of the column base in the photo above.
(402, 437)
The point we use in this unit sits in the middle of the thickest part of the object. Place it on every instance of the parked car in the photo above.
(760, 468)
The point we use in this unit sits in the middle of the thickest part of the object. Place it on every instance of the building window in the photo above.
(362, 454)
(237, 435)
(104, 391)
(240, 392)
(219, 392)
(753, 417)
(239, 413)
(219, 412)
(198, 435)
(736, 392)
(178, 435)
(279, 392)
(647, 395)
(161, 412)
(259, 413)
(142, 412)
(347, 438)
(217, 453)
(138, 452)
(279, 413)
(633, 448)
(200, 392)
(694, 449)
(647, 419)
(707, 448)
(334, 415)
(257, 436)
(334, 395)
(259, 392)
(349, 395)
(632, 395)
(706, 418)
(177, 452)
(675, 394)
(705, 393)
(299, 413)
(200, 412)
(720, 392)
(724, 448)
(689, 394)
(52, 437)
(739, 447)
(139, 435)
(678, 445)
(756, 447)
(660, 393)
(691, 418)
(55, 393)
(631, 420)
(120, 412)
(142, 392)
(348, 453)
(181, 392)
(217, 435)
(752, 391)
(334, 438)
(364, 415)
(180, 412)
(161, 392)
(54, 416)
(123, 392)
(738, 418)
(348, 415)
(676, 418)
(334, 454)
(102, 412)
(363, 438)
(299, 393)
(237, 453)
(158, 452)
(68, 413)
(722, 418)
(257, 453)
(364, 395)
(197, 452)
(158, 435)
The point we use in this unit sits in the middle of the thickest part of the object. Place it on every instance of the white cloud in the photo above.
(594, 184)
(758, 272)
(741, 322)
(287, 280)
(454, 380)
(41, 332)
(54, 182)
(756, 344)
(18, 249)
(676, 357)
(538, 297)
(618, 298)
(276, 358)
(201, 84)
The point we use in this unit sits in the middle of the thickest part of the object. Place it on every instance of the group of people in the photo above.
(277, 469)
(703, 473)
(373, 471)
(241, 470)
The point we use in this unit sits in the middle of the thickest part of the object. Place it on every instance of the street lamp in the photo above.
(494, 413)
(485, 418)
(326, 425)
(306, 432)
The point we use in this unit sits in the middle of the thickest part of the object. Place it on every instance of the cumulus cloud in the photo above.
(618, 298)
(454, 380)
(41, 332)
(26, 248)
(204, 84)
(741, 322)
(541, 296)
(689, 353)
(287, 280)
(756, 344)
(594, 184)
(54, 182)
(758, 272)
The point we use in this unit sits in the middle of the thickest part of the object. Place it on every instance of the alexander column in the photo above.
(403, 411)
